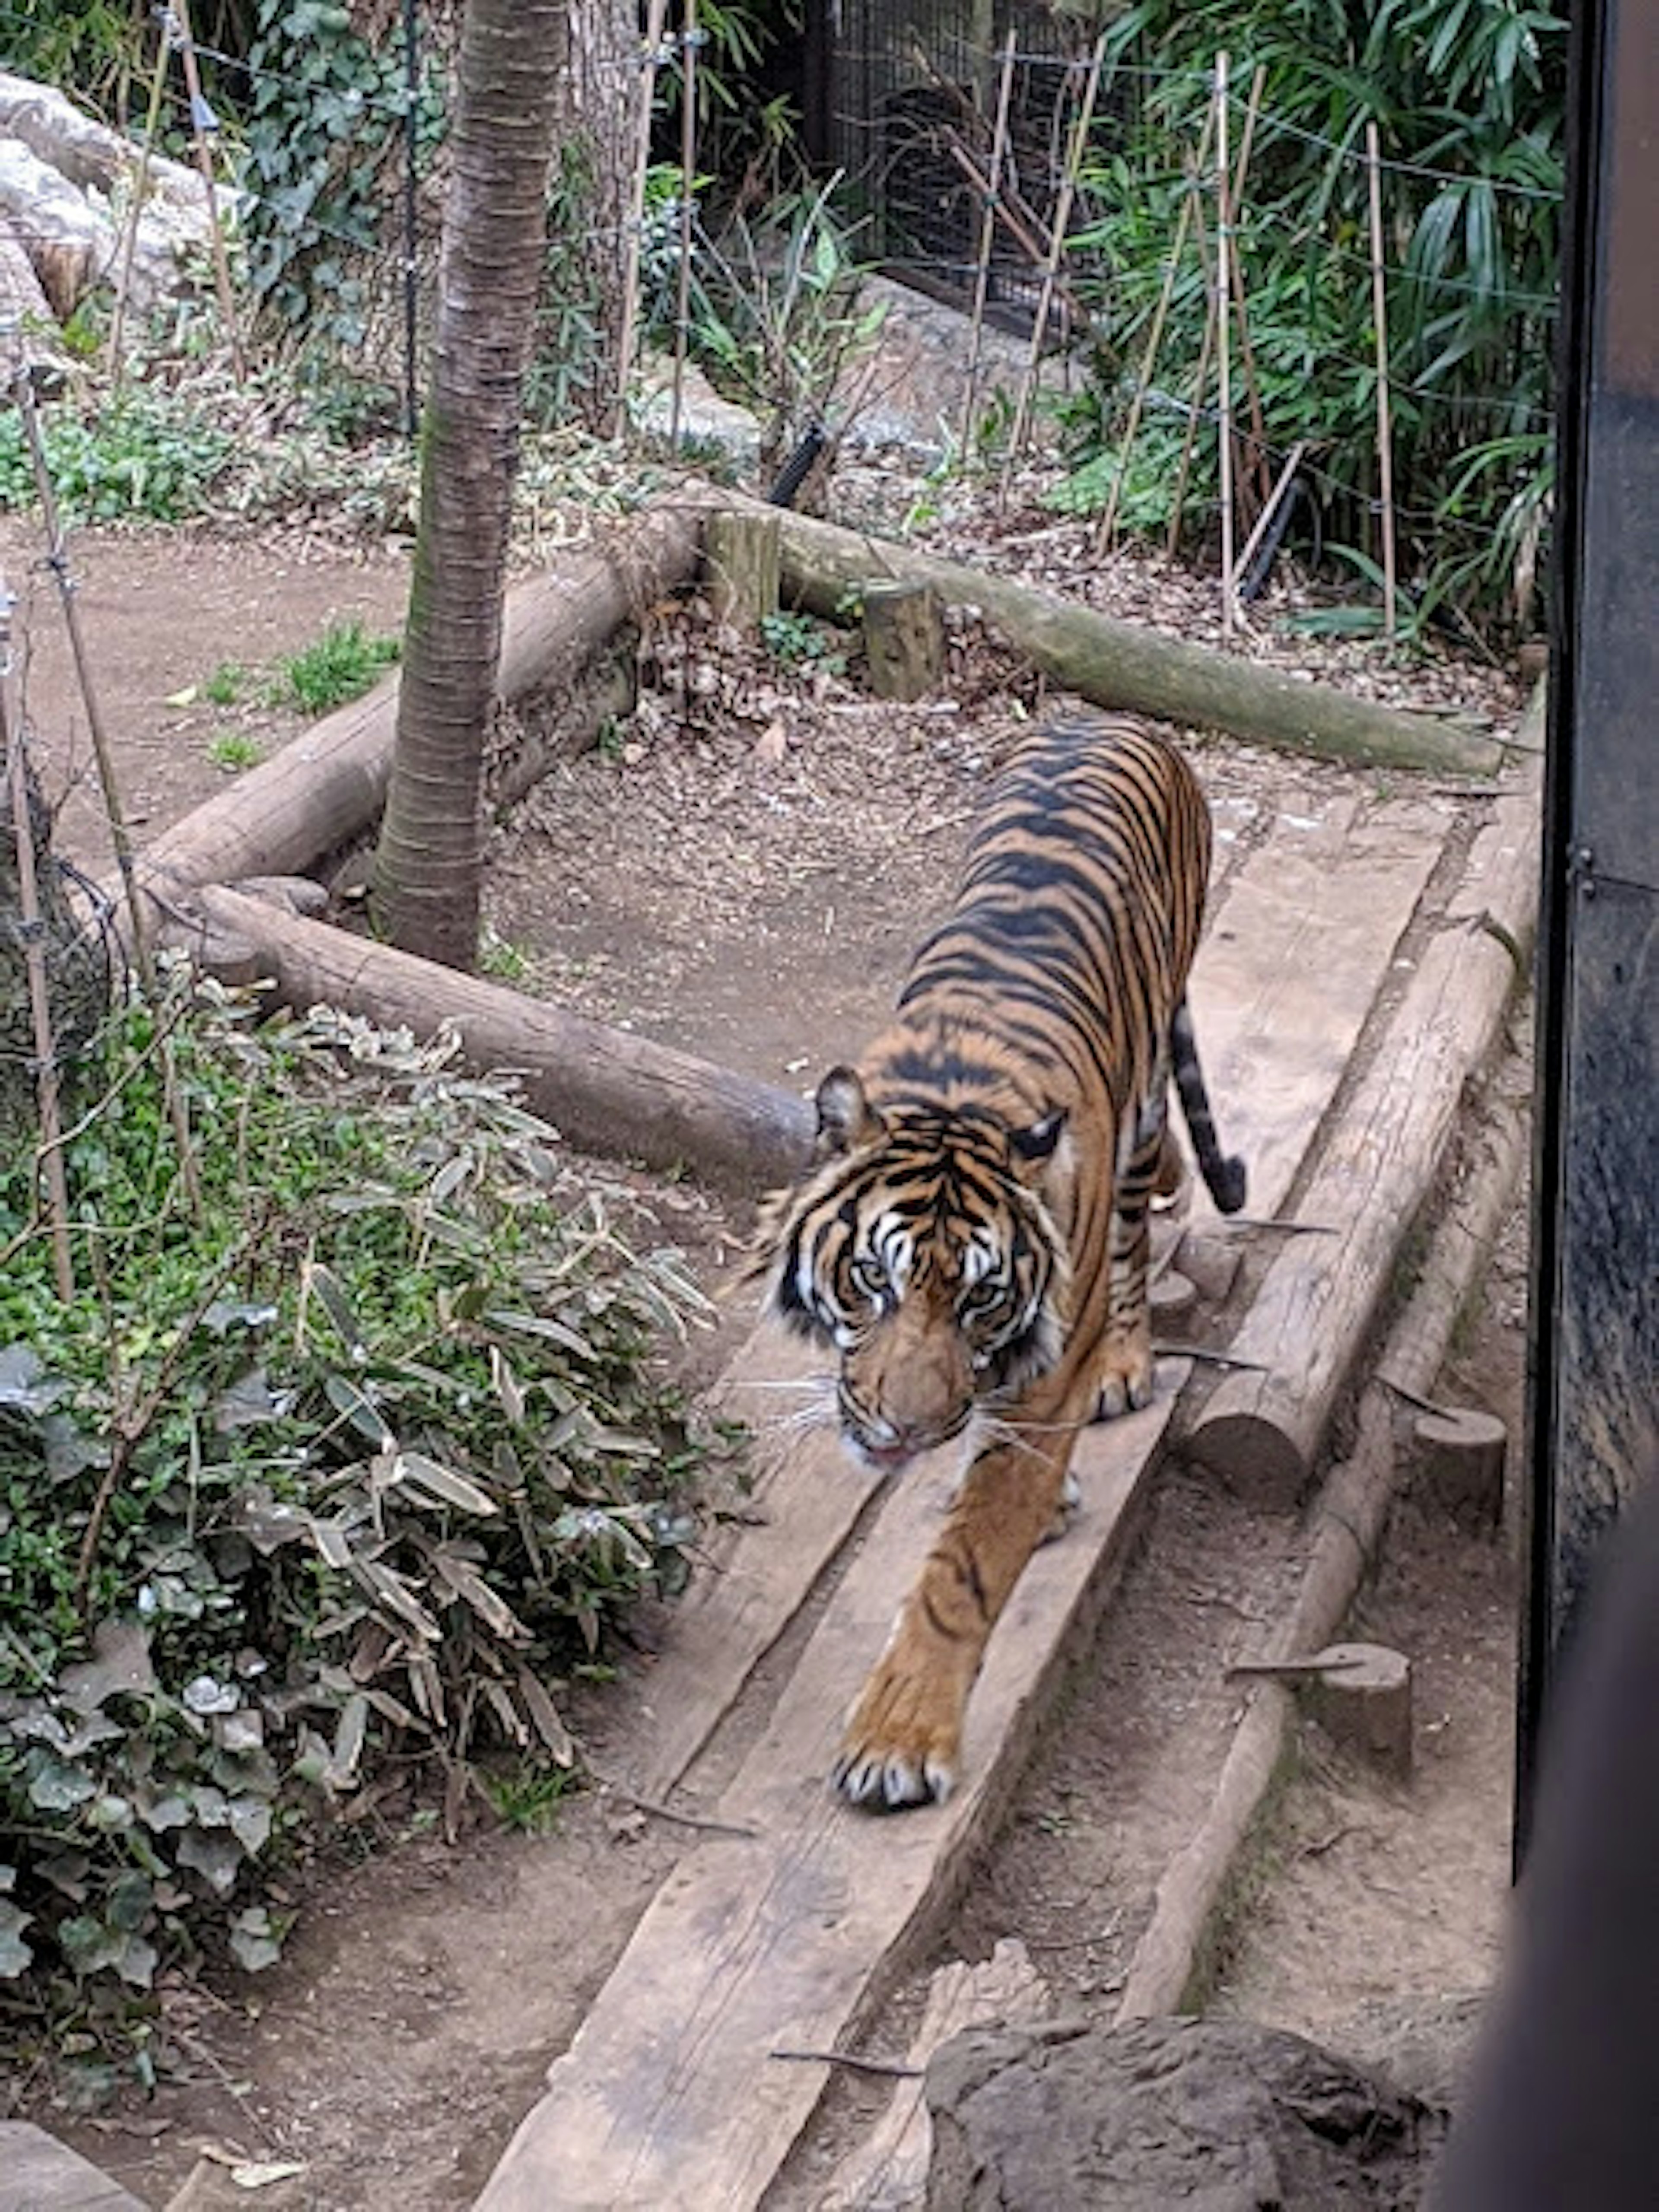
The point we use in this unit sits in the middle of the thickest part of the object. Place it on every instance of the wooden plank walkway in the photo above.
(670, 2094)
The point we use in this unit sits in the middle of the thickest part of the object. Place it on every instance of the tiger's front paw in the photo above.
(1125, 1376)
(902, 1741)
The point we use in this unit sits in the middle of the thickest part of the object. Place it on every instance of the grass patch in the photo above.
(234, 749)
(337, 667)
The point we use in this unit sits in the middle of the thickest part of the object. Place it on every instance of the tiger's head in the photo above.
(920, 1245)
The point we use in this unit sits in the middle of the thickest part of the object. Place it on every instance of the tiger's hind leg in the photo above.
(1126, 1362)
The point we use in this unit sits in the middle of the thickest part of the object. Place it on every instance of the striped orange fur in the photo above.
(972, 1238)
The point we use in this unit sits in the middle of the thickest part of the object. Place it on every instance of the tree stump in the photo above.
(740, 567)
(1460, 1464)
(1362, 1698)
(903, 639)
(1173, 1299)
(1211, 1264)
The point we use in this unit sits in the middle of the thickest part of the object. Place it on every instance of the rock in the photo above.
(64, 182)
(1209, 2116)
(707, 421)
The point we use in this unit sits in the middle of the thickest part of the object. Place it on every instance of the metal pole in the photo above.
(1594, 1414)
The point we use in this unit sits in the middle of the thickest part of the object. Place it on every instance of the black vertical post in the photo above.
(1594, 1427)
(411, 212)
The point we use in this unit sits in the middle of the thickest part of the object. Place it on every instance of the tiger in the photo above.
(970, 1235)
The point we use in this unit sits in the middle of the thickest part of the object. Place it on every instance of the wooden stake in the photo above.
(200, 113)
(987, 230)
(114, 813)
(1384, 427)
(655, 25)
(1259, 461)
(1155, 338)
(1223, 220)
(1075, 153)
(688, 190)
(1275, 498)
(140, 187)
(49, 1153)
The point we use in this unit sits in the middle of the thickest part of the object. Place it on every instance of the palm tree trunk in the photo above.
(428, 864)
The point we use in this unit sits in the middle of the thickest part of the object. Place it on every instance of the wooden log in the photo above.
(888, 2171)
(38, 2174)
(903, 639)
(740, 567)
(1460, 1464)
(602, 1088)
(1261, 1431)
(1121, 665)
(1362, 1698)
(328, 785)
(1352, 1512)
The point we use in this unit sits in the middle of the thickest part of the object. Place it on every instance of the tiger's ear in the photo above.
(846, 1122)
(1033, 1145)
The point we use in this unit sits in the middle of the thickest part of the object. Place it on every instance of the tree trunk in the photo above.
(426, 868)
(598, 136)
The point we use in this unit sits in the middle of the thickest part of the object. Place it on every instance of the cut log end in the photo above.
(905, 639)
(1363, 1701)
(1461, 1458)
(740, 565)
(1255, 1457)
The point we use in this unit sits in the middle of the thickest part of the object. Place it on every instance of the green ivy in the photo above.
(323, 117)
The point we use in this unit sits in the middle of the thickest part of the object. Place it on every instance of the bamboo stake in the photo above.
(1223, 213)
(49, 1156)
(1201, 386)
(988, 229)
(1384, 425)
(689, 41)
(1260, 463)
(1109, 519)
(201, 126)
(140, 187)
(1074, 154)
(656, 23)
(120, 836)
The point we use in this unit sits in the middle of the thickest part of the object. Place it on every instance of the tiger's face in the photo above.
(923, 1251)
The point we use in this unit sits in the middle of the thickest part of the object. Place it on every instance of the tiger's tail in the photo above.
(1223, 1175)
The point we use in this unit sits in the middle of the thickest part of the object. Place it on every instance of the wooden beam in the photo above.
(670, 2095)
(1261, 1429)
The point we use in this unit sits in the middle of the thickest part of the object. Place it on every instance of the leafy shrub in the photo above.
(144, 454)
(351, 1463)
(1467, 97)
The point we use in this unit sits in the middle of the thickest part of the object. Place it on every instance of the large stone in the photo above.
(1207, 2116)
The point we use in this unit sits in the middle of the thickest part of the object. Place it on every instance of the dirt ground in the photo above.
(741, 873)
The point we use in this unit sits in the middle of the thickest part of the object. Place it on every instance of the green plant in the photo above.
(1467, 97)
(800, 642)
(233, 749)
(774, 309)
(331, 1470)
(338, 666)
(499, 956)
(322, 121)
(148, 453)
(528, 1794)
(227, 685)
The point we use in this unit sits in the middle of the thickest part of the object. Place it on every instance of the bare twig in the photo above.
(659, 1811)
(892, 2070)
(987, 225)
(1384, 427)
